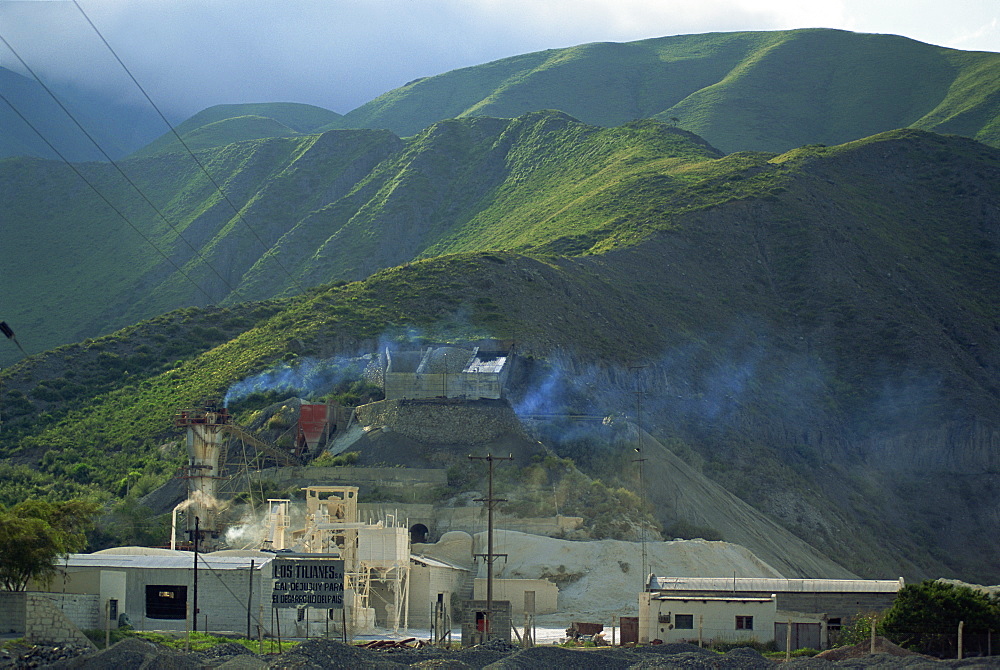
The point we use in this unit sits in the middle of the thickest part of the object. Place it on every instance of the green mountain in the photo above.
(817, 327)
(295, 212)
(224, 124)
(813, 327)
(757, 91)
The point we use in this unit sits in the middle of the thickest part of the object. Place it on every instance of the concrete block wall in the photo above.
(500, 626)
(84, 610)
(12, 612)
(45, 623)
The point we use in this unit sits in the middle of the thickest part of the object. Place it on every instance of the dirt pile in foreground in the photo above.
(882, 646)
(497, 655)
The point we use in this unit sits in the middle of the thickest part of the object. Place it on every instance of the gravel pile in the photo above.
(131, 653)
(224, 652)
(737, 659)
(558, 657)
(39, 657)
(318, 653)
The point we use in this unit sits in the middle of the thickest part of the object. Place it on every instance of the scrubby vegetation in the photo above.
(797, 313)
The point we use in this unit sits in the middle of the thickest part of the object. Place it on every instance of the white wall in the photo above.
(425, 584)
(513, 590)
(715, 618)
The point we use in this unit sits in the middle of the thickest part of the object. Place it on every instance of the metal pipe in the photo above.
(173, 526)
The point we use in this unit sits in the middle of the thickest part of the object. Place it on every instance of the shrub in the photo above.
(329, 460)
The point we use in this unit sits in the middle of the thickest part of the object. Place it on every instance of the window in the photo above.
(744, 623)
(166, 602)
(685, 621)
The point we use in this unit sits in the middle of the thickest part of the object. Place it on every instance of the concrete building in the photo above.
(472, 372)
(526, 596)
(154, 588)
(816, 609)
(706, 618)
(434, 585)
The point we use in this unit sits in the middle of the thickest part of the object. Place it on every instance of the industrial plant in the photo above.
(363, 549)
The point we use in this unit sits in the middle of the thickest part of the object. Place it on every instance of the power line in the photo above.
(173, 130)
(115, 164)
(102, 196)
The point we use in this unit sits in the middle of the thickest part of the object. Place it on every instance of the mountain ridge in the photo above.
(817, 329)
(757, 91)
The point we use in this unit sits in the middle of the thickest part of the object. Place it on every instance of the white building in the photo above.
(706, 618)
(814, 609)
(472, 372)
(155, 588)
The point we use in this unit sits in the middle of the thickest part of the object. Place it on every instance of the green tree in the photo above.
(925, 617)
(34, 533)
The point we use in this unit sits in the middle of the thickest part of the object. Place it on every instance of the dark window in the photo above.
(685, 621)
(744, 623)
(166, 602)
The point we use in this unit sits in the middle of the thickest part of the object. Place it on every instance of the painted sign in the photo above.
(307, 583)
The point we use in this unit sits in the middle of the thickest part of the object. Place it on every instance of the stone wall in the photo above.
(46, 623)
(351, 476)
(440, 520)
(84, 610)
(443, 421)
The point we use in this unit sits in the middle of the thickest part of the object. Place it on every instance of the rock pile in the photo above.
(497, 655)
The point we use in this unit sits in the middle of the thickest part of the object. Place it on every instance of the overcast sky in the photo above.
(338, 54)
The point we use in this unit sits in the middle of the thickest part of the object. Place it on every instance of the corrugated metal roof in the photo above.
(773, 585)
(733, 599)
(436, 563)
(172, 559)
(491, 365)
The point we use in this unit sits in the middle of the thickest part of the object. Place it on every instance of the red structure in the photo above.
(313, 421)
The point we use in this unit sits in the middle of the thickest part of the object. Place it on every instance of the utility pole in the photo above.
(197, 535)
(640, 460)
(489, 556)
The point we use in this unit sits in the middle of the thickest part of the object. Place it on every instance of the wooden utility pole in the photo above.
(640, 459)
(489, 556)
(249, 597)
(197, 535)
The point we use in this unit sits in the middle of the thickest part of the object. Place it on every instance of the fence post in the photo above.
(788, 641)
(873, 635)
(961, 626)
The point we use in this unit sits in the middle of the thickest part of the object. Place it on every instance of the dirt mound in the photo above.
(558, 657)
(736, 659)
(328, 654)
(882, 646)
(133, 653)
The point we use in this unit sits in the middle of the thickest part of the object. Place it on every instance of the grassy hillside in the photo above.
(762, 91)
(224, 124)
(313, 208)
(817, 329)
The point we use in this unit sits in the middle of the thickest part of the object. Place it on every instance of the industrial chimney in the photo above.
(204, 444)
